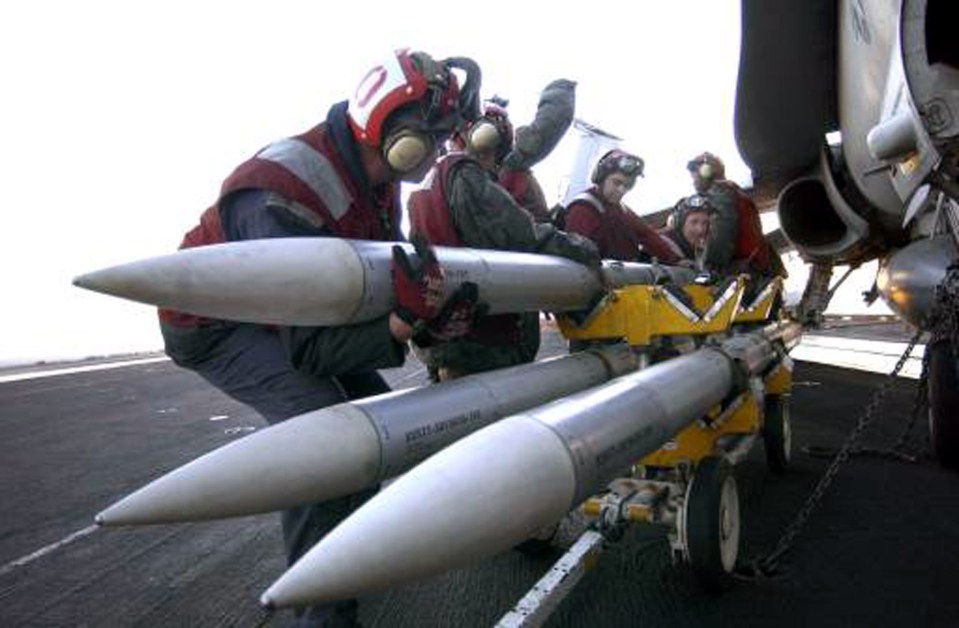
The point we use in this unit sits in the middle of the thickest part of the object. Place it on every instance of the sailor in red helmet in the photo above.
(338, 179)
(600, 215)
(464, 205)
(735, 243)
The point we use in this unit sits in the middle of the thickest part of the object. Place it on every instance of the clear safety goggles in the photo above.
(629, 165)
(697, 202)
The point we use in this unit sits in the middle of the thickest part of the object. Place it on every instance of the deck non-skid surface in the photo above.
(881, 550)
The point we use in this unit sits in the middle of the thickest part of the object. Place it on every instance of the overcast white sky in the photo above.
(121, 119)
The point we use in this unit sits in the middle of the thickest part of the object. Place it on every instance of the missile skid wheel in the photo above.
(777, 433)
(710, 524)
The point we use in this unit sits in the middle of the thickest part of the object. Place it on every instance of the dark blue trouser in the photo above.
(249, 363)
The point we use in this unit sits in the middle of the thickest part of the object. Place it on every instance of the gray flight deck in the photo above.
(882, 550)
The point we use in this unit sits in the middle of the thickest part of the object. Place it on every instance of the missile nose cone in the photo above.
(128, 281)
(314, 456)
(267, 603)
(118, 514)
(294, 592)
(389, 541)
(97, 281)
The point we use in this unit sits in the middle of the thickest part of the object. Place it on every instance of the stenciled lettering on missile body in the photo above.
(422, 440)
(457, 275)
(439, 427)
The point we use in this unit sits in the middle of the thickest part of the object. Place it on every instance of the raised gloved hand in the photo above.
(455, 319)
(417, 285)
(554, 114)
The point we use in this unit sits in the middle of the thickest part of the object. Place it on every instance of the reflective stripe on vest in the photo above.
(313, 169)
(589, 198)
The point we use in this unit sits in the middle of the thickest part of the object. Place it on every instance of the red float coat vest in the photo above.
(431, 217)
(751, 245)
(615, 229)
(308, 170)
(523, 187)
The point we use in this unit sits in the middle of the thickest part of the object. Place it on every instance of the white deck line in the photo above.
(43, 551)
(874, 356)
(70, 370)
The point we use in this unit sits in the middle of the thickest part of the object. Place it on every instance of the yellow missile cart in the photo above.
(688, 484)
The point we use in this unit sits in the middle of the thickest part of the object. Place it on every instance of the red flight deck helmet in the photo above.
(411, 103)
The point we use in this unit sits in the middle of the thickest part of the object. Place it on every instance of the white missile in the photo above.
(342, 449)
(497, 487)
(331, 281)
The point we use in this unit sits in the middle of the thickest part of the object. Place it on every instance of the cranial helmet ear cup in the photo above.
(598, 173)
(406, 150)
(706, 170)
(594, 177)
(484, 137)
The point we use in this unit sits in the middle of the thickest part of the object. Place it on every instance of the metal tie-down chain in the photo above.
(767, 565)
(898, 449)
(944, 323)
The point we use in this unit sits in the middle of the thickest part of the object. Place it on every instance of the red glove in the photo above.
(455, 319)
(417, 284)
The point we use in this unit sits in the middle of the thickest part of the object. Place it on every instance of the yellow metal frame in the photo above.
(759, 310)
(744, 417)
(780, 380)
(641, 313)
(699, 439)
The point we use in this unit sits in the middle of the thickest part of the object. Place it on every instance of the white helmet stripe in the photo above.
(375, 86)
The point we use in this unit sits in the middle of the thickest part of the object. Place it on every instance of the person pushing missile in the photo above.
(338, 179)
(464, 204)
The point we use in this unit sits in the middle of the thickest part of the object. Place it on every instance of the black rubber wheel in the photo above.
(713, 523)
(777, 433)
(944, 403)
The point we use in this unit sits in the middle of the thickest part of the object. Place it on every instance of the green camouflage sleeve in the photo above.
(487, 217)
(723, 228)
(554, 114)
